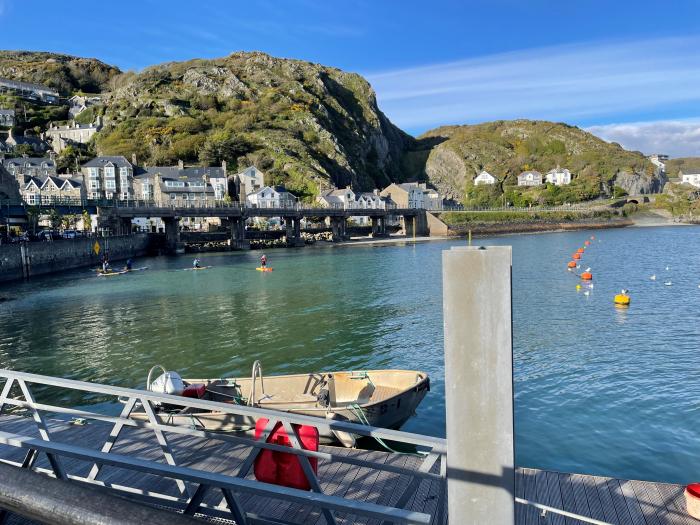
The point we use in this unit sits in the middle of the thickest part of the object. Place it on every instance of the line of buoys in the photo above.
(580, 250)
(571, 264)
(587, 276)
(576, 256)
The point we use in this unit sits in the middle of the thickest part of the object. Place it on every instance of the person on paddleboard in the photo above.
(263, 261)
(105, 265)
(195, 263)
(128, 266)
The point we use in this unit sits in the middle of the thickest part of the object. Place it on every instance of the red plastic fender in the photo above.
(280, 468)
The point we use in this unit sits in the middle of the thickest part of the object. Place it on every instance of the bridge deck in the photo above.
(610, 500)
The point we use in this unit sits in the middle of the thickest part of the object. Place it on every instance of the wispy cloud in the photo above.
(678, 138)
(594, 81)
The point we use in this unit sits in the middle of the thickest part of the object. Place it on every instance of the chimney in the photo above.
(133, 159)
(180, 164)
(375, 191)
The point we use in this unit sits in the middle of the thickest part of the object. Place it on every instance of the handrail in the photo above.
(143, 402)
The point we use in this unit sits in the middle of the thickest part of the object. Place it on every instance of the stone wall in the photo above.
(18, 261)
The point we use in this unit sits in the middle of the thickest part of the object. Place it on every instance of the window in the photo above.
(31, 198)
(174, 184)
(94, 195)
(94, 185)
(184, 196)
(93, 173)
(109, 172)
(124, 173)
(110, 185)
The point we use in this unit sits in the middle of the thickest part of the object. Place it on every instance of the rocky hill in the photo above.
(453, 155)
(67, 74)
(308, 126)
(304, 124)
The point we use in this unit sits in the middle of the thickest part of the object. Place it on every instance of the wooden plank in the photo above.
(647, 503)
(531, 514)
(633, 506)
(541, 493)
(619, 502)
(595, 505)
(606, 500)
(554, 498)
(567, 497)
(581, 504)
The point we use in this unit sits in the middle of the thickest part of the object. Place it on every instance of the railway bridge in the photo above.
(116, 216)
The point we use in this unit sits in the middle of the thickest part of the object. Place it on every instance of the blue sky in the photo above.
(628, 70)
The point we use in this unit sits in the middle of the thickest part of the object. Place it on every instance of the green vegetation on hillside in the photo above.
(507, 148)
(301, 123)
(66, 74)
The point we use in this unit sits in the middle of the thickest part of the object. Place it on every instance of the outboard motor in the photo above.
(166, 383)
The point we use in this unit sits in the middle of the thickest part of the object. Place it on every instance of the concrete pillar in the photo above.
(238, 240)
(408, 225)
(479, 384)
(172, 234)
(375, 226)
(336, 229)
(124, 226)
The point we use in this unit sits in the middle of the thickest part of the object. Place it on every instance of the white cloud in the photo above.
(678, 138)
(603, 80)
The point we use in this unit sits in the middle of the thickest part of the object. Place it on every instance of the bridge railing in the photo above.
(140, 415)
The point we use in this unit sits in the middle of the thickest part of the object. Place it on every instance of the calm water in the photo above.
(598, 390)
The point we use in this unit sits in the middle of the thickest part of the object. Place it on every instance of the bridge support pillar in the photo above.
(172, 235)
(238, 240)
(416, 225)
(338, 229)
(379, 227)
(294, 240)
(124, 226)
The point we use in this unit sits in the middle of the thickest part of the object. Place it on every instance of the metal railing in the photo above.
(193, 484)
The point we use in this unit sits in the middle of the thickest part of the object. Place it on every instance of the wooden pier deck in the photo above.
(609, 500)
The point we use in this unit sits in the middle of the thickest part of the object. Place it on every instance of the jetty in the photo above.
(61, 461)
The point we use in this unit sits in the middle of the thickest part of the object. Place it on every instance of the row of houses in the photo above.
(557, 176)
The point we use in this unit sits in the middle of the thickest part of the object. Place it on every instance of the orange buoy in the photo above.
(572, 264)
(580, 250)
(587, 243)
(576, 256)
(587, 276)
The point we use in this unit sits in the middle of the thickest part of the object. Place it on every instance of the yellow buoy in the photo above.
(578, 287)
(622, 299)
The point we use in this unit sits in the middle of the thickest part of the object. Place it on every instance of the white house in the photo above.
(249, 181)
(692, 178)
(342, 199)
(659, 160)
(271, 197)
(484, 178)
(559, 176)
(530, 178)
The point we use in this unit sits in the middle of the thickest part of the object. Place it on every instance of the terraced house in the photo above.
(51, 189)
(109, 178)
(22, 167)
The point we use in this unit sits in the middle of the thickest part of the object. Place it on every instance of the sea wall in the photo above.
(23, 260)
(533, 227)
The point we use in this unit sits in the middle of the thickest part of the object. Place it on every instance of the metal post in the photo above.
(479, 384)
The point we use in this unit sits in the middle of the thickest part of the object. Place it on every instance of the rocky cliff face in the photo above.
(304, 124)
(641, 183)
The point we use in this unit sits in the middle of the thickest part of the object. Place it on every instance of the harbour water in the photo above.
(599, 390)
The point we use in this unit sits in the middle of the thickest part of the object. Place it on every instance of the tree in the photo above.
(220, 147)
(55, 219)
(33, 218)
(87, 221)
(68, 221)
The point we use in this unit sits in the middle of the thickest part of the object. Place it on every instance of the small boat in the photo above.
(120, 272)
(261, 269)
(198, 268)
(381, 398)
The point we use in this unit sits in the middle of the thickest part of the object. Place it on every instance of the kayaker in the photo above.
(195, 263)
(128, 265)
(263, 261)
(105, 265)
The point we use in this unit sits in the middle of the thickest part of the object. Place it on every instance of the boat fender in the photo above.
(168, 383)
(346, 439)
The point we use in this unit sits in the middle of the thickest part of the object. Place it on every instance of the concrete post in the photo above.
(408, 226)
(238, 240)
(479, 384)
(336, 229)
(172, 234)
(375, 226)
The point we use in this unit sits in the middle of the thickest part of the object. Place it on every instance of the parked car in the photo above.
(47, 235)
(69, 234)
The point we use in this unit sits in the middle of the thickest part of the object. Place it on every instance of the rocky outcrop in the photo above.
(640, 183)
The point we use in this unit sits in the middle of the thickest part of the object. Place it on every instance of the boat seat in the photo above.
(384, 392)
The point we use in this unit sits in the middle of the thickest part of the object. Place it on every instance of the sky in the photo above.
(627, 70)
